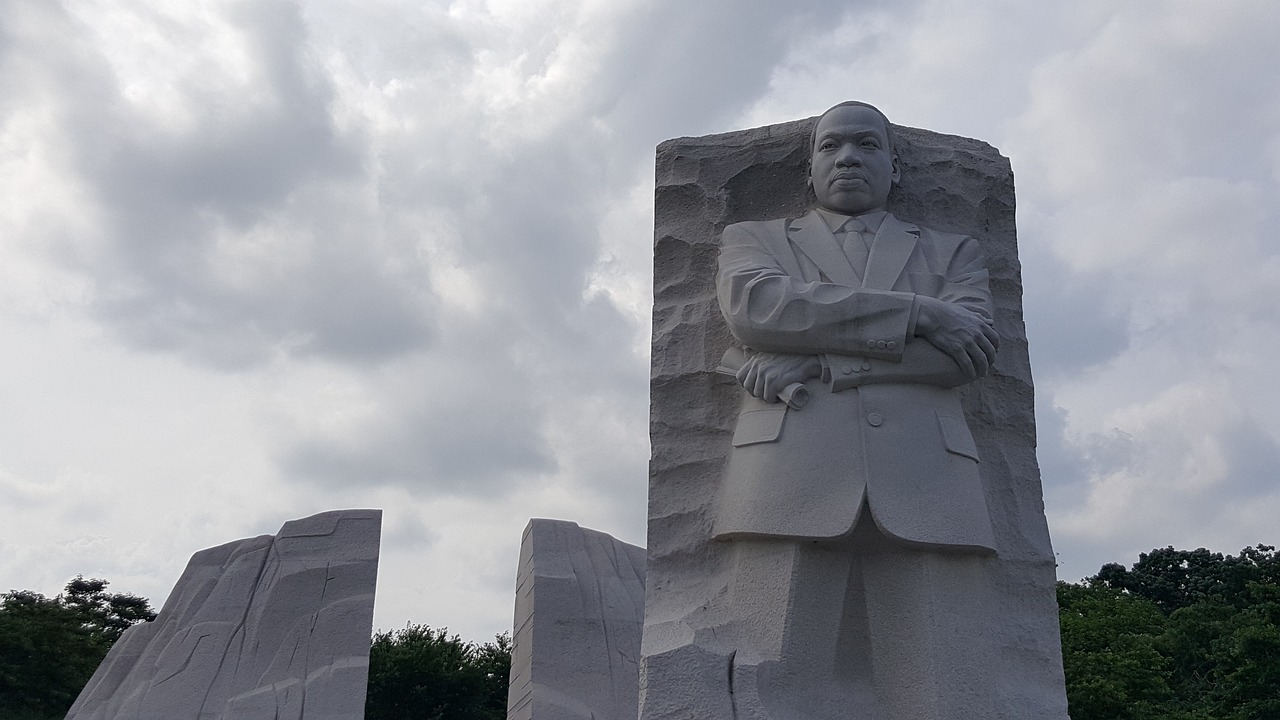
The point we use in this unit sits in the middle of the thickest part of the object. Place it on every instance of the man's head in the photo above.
(852, 165)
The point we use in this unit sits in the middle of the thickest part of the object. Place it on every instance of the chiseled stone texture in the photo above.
(579, 612)
(703, 184)
(266, 628)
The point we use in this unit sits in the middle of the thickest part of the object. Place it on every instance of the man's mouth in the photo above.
(848, 179)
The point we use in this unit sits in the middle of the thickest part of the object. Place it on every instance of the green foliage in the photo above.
(105, 614)
(1176, 579)
(423, 674)
(1183, 635)
(49, 647)
(1109, 653)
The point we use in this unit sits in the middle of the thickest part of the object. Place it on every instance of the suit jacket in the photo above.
(884, 425)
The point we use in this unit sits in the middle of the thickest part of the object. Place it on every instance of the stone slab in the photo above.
(578, 615)
(950, 184)
(265, 628)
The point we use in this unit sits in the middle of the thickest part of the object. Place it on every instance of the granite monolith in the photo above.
(578, 615)
(997, 636)
(273, 627)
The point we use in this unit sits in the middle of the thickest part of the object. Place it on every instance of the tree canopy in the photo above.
(420, 673)
(49, 647)
(1182, 635)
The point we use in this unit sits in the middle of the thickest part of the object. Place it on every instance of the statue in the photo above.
(850, 532)
(885, 318)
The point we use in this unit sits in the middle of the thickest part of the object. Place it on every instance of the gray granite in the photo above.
(1012, 664)
(270, 627)
(578, 616)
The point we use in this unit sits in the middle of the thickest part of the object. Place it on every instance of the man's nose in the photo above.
(848, 155)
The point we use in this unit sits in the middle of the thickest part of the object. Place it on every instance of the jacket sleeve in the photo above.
(921, 363)
(966, 282)
(768, 309)
(863, 336)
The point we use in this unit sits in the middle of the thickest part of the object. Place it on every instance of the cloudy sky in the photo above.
(264, 258)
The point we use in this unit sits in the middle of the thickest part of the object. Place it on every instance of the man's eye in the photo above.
(827, 146)
(870, 144)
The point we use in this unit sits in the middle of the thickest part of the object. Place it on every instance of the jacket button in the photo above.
(871, 343)
(874, 420)
(882, 344)
(866, 364)
(846, 369)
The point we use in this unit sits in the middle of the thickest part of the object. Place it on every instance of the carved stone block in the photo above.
(268, 628)
(950, 184)
(579, 608)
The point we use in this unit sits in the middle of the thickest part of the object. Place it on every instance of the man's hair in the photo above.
(888, 127)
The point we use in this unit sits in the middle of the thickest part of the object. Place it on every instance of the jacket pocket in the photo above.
(759, 426)
(956, 437)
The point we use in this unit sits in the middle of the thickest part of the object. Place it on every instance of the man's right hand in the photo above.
(766, 374)
(964, 335)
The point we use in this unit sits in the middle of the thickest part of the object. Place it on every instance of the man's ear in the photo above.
(897, 170)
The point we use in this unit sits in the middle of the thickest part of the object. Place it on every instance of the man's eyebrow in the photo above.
(856, 133)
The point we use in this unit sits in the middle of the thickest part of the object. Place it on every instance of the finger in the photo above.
(756, 386)
(763, 385)
(964, 361)
(749, 379)
(770, 387)
(981, 363)
(991, 335)
(988, 349)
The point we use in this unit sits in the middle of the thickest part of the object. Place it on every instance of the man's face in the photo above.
(852, 167)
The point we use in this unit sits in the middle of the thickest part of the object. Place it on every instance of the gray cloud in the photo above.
(1077, 320)
(523, 192)
(238, 230)
(399, 251)
(468, 433)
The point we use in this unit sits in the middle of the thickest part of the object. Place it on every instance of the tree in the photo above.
(423, 674)
(1182, 635)
(49, 647)
(105, 614)
(1176, 579)
(1114, 670)
(1229, 658)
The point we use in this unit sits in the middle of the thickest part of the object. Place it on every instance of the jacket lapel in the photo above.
(889, 253)
(811, 234)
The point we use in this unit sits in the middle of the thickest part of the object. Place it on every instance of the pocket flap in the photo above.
(758, 426)
(956, 437)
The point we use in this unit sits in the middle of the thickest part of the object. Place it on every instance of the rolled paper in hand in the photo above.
(794, 395)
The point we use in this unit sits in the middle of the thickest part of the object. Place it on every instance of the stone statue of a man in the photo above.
(857, 518)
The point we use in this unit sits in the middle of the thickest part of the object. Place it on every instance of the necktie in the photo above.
(852, 225)
(853, 240)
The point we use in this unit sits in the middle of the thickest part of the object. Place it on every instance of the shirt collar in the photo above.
(872, 220)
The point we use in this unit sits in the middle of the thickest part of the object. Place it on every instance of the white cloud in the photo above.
(1143, 146)
(269, 258)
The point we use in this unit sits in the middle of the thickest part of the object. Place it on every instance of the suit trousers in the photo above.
(861, 626)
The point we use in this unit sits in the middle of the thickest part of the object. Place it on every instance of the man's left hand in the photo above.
(959, 332)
